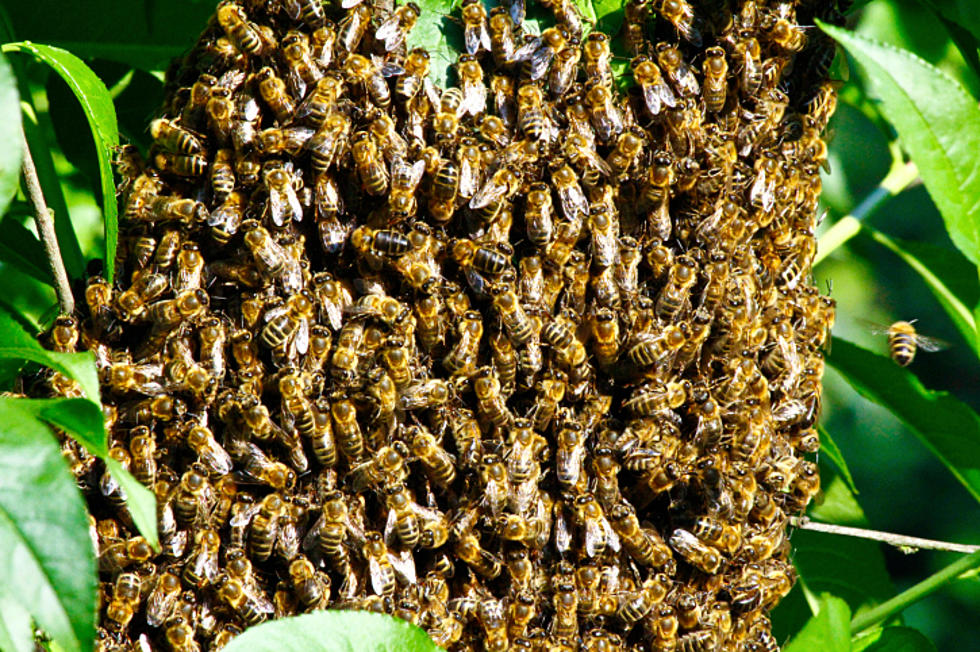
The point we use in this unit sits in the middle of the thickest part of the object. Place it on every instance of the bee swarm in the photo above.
(530, 362)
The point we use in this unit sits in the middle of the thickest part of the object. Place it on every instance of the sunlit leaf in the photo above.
(828, 631)
(97, 105)
(829, 448)
(141, 34)
(333, 631)
(948, 428)
(893, 639)
(21, 248)
(47, 563)
(11, 138)
(949, 276)
(436, 32)
(140, 501)
(938, 123)
(16, 628)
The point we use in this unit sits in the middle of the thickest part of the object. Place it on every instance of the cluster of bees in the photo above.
(530, 362)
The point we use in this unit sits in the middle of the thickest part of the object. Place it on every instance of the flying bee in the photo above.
(470, 74)
(715, 89)
(243, 34)
(405, 178)
(395, 29)
(475, 28)
(904, 341)
(681, 16)
(370, 165)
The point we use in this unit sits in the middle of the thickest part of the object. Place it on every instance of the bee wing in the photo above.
(597, 162)
(301, 340)
(489, 193)
(563, 530)
(391, 32)
(527, 50)
(541, 61)
(612, 539)
(416, 170)
(517, 11)
(468, 178)
(277, 206)
(347, 4)
(477, 38)
(474, 98)
(573, 201)
(652, 98)
(930, 344)
(659, 220)
(390, 536)
(404, 564)
(431, 91)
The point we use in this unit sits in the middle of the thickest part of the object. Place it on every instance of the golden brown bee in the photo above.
(503, 41)
(405, 179)
(681, 16)
(531, 116)
(181, 165)
(715, 89)
(370, 75)
(201, 567)
(175, 138)
(249, 605)
(606, 117)
(381, 571)
(312, 590)
(274, 93)
(162, 600)
(394, 30)
(636, 14)
(243, 34)
(695, 552)
(370, 166)
(628, 147)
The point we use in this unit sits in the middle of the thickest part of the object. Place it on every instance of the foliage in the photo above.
(48, 576)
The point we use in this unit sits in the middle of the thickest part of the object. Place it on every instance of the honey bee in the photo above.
(469, 550)
(125, 601)
(503, 42)
(715, 89)
(405, 179)
(606, 117)
(251, 606)
(749, 53)
(531, 115)
(395, 29)
(415, 76)
(370, 166)
(681, 16)
(695, 552)
(381, 571)
(243, 34)
(904, 341)
(346, 429)
(181, 165)
(565, 600)
(581, 153)
(539, 51)
(635, 16)
(162, 600)
(287, 329)
(625, 153)
(201, 568)
(270, 258)
(564, 68)
(175, 138)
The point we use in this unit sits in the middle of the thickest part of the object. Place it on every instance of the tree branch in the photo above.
(45, 230)
(910, 544)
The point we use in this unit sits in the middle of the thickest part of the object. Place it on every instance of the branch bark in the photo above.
(897, 540)
(45, 229)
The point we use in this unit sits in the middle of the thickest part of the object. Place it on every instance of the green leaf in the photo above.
(16, 628)
(948, 428)
(965, 42)
(83, 420)
(333, 631)
(140, 501)
(938, 123)
(11, 136)
(97, 104)
(47, 563)
(436, 32)
(962, 13)
(949, 276)
(21, 248)
(829, 448)
(609, 16)
(146, 35)
(16, 344)
(893, 639)
(828, 631)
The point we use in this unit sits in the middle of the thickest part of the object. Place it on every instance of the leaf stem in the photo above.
(897, 540)
(889, 608)
(45, 230)
(900, 177)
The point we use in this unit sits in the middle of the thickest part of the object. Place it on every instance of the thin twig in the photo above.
(45, 229)
(897, 540)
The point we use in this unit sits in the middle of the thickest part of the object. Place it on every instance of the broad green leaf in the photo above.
(16, 344)
(333, 631)
(436, 32)
(893, 639)
(16, 628)
(83, 420)
(949, 276)
(962, 13)
(828, 631)
(965, 42)
(947, 427)
(97, 105)
(829, 448)
(21, 248)
(140, 501)
(938, 123)
(609, 16)
(47, 562)
(11, 136)
(146, 35)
